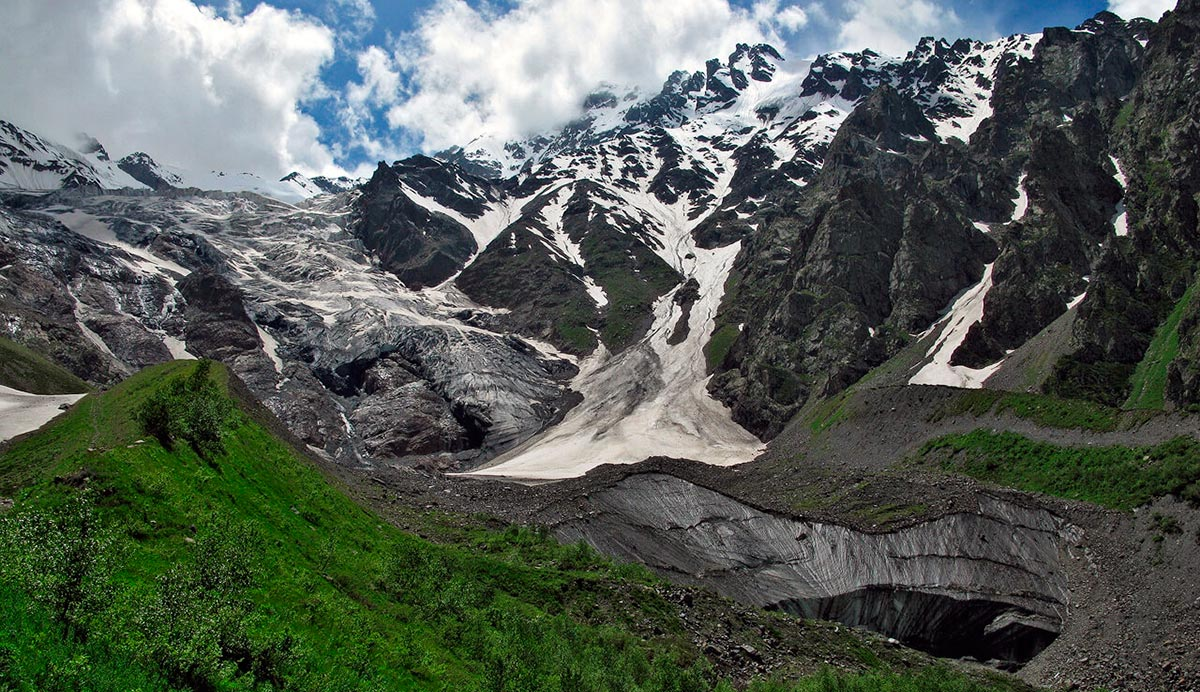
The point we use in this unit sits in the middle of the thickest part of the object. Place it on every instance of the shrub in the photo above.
(63, 558)
(197, 627)
(191, 409)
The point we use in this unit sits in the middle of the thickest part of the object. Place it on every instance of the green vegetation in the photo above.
(1165, 525)
(1104, 382)
(718, 346)
(1047, 411)
(1123, 116)
(632, 277)
(128, 564)
(1158, 177)
(1117, 477)
(250, 569)
(829, 412)
(23, 369)
(1150, 377)
(190, 409)
(572, 328)
(928, 680)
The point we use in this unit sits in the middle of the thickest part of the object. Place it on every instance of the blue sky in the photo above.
(331, 86)
(393, 20)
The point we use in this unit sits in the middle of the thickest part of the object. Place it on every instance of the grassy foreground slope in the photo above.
(23, 369)
(218, 558)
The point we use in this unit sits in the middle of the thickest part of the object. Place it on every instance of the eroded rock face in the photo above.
(421, 247)
(990, 585)
(89, 306)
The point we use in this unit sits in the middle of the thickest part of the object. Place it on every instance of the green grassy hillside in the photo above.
(1113, 476)
(212, 556)
(1149, 382)
(21, 368)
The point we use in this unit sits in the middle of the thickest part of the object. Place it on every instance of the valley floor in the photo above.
(1131, 610)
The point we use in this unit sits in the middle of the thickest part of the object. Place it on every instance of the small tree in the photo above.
(192, 409)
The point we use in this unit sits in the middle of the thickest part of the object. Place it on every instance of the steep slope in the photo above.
(31, 163)
(108, 283)
(1135, 336)
(169, 565)
(23, 369)
(897, 225)
(672, 273)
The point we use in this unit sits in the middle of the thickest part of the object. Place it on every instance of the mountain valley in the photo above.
(904, 344)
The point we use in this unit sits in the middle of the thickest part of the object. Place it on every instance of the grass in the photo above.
(718, 346)
(362, 603)
(572, 329)
(1047, 411)
(129, 566)
(632, 277)
(830, 412)
(1123, 116)
(23, 369)
(1149, 380)
(929, 680)
(1116, 477)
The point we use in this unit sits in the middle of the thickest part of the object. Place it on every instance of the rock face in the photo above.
(356, 364)
(218, 327)
(720, 253)
(990, 585)
(421, 247)
(897, 223)
(91, 307)
(1145, 276)
(146, 171)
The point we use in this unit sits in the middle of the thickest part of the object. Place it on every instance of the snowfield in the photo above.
(21, 412)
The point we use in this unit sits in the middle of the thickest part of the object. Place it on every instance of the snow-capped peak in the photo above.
(31, 162)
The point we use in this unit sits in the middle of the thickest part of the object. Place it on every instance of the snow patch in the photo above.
(966, 312)
(96, 229)
(1021, 200)
(271, 348)
(1120, 220)
(177, 347)
(651, 399)
(21, 412)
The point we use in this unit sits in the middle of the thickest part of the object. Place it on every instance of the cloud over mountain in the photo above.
(193, 86)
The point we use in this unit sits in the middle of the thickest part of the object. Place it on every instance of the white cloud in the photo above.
(356, 16)
(1151, 9)
(506, 73)
(181, 82)
(893, 27)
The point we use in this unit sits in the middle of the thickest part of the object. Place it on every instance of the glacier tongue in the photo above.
(652, 398)
(648, 400)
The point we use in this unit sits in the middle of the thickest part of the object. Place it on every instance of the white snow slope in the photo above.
(21, 412)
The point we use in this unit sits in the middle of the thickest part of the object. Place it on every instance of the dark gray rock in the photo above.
(423, 248)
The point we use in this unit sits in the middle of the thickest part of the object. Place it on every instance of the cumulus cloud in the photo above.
(480, 70)
(185, 83)
(1151, 9)
(893, 27)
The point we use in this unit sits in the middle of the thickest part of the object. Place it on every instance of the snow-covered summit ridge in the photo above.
(31, 162)
(951, 81)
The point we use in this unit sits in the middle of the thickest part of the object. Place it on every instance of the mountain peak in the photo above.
(89, 145)
(760, 60)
